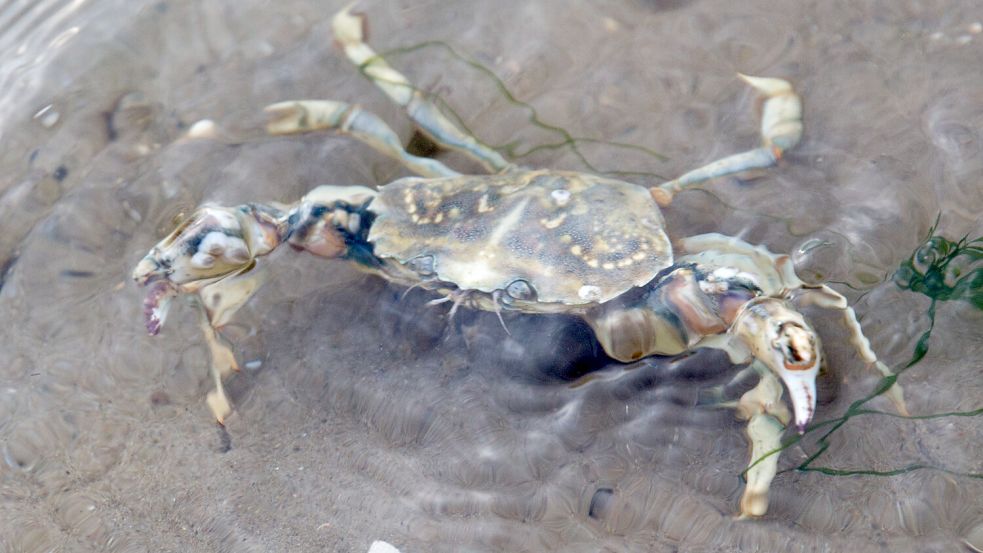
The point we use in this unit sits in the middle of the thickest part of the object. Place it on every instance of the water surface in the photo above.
(362, 415)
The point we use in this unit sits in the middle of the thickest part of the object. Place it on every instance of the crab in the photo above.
(528, 241)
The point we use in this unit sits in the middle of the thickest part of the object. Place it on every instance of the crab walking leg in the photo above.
(223, 364)
(776, 275)
(827, 298)
(349, 33)
(218, 303)
(767, 417)
(776, 270)
(301, 116)
(738, 354)
(781, 129)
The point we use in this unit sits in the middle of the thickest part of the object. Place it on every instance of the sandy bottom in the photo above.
(362, 415)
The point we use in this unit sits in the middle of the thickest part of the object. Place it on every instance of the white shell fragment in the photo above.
(206, 128)
(379, 546)
(47, 116)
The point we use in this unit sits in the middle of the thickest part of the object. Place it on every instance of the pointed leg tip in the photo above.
(661, 196)
(753, 505)
(219, 406)
(348, 27)
(769, 86)
(283, 118)
(279, 108)
(901, 407)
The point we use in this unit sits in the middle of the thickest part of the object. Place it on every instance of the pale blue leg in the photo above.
(781, 129)
(825, 297)
(302, 116)
(348, 32)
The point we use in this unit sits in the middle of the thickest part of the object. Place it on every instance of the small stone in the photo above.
(600, 504)
(206, 128)
(380, 546)
(47, 116)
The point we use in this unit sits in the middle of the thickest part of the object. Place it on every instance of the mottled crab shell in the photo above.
(574, 239)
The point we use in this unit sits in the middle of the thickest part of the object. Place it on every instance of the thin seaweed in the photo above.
(513, 150)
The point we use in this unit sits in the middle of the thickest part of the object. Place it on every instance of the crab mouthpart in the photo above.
(797, 347)
(156, 304)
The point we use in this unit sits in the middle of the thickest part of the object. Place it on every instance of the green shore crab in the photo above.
(528, 241)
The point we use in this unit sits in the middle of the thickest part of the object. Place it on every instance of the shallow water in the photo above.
(363, 416)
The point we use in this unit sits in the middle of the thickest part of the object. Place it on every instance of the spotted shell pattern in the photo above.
(574, 239)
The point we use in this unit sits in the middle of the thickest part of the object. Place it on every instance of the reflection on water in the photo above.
(363, 415)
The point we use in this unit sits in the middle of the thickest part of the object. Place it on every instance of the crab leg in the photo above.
(458, 297)
(767, 417)
(781, 129)
(738, 354)
(349, 33)
(219, 302)
(778, 272)
(300, 116)
(776, 269)
(827, 298)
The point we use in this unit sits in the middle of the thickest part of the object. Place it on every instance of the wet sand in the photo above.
(362, 415)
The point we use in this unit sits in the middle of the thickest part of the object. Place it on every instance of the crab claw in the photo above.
(160, 291)
(156, 305)
(779, 337)
(214, 243)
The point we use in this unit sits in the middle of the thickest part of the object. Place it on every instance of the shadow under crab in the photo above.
(528, 241)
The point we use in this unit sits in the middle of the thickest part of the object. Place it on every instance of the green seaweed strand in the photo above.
(512, 149)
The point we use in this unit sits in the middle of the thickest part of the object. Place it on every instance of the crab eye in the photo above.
(422, 265)
(797, 346)
(520, 290)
